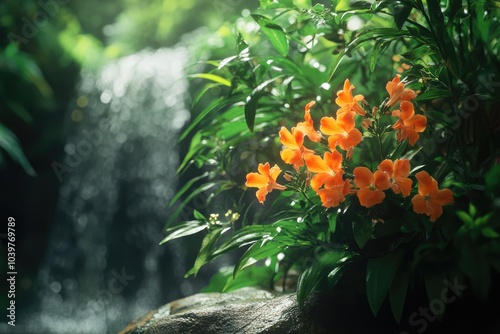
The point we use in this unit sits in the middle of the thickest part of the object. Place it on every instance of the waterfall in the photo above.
(103, 266)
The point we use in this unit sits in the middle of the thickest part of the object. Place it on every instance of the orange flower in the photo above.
(398, 175)
(341, 131)
(334, 194)
(397, 92)
(293, 153)
(326, 169)
(347, 102)
(265, 180)
(408, 125)
(371, 186)
(307, 127)
(430, 199)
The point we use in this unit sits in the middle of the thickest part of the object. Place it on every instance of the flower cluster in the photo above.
(327, 175)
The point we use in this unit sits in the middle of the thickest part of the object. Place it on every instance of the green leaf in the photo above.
(256, 252)
(380, 46)
(214, 106)
(193, 194)
(253, 99)
(398, 291)
(197, 214)
(488, 232)
(336, 274)
(401, 12)
(212, 77)
(399, 150)
(274, 33)
(464, 216)
(418, 52)
(315, 277)
(9, 142)
(184, 229)
(187, 186)
(204, 254)
(332, 221)
(245, 236)
(362, 229)
(434, 93)
(194, 147)
(380, 273)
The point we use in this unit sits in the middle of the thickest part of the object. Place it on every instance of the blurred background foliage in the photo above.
(44, 45)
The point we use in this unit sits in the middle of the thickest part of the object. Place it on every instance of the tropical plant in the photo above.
(365, 191)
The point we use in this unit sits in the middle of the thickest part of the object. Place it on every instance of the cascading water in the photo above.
(103, 266)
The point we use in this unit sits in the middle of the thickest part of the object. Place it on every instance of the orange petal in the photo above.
(417, 122)
(319, 179)
(344, 96)
(381, 180)
(442, 197)
(287, 139)
(274, 172)
(264, 169)
(368, 197)
(435, 210)
(401, 168)
(346, 121)
(426, 184)
(291, 156)
(419, 205)
(402, 185)
(331, 197)
(363, 177)
(353, 138)
(407, 109)
(308, 130)
(256, 180)
(308, 107)
(261, 194)
(333, 160)
(408, 94)
(329, 126)
(387, 166)
(412, 136)
(315, 164)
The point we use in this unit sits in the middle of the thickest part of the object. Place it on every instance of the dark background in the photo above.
(56, 41)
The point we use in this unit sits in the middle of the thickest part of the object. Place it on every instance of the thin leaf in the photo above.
(212, 77)
(187, 186)
(184, 229)
(401, 12)
(214, 106)
(379, 276)
(9, 142)
(274, 33)
(362, 229)
(205, 252)
(397, 293)
(253, 99)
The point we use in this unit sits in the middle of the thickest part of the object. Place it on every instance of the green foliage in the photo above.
(304, 53)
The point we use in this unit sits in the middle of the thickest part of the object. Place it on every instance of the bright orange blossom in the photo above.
(265, 180)
(347, 102)
(307, 127)
(408, 125)
(398, 172)
(371, 186)
(430, 200)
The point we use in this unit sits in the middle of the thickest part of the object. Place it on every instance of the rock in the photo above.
(251, 310)
(247, 310)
